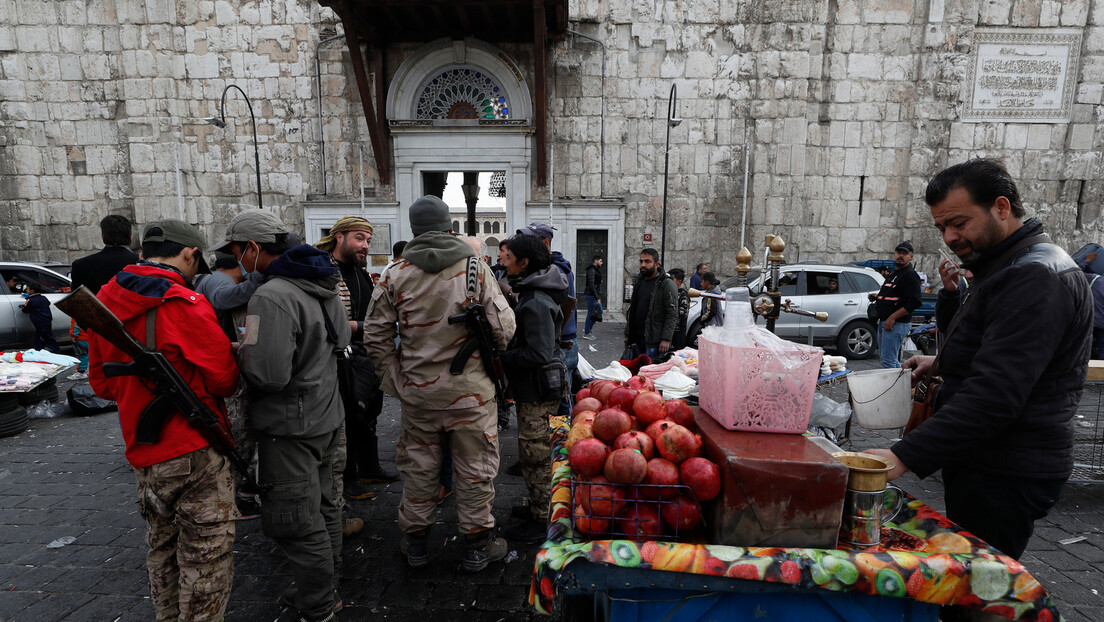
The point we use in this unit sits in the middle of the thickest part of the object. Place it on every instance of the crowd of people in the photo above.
(293, 346)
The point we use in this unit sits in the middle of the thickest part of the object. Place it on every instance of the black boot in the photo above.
(482, 548)
(370, 469)
(415, 545)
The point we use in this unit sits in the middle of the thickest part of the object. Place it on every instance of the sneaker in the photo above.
(351, 526)
(248, 508)
(357, 490)
(415, 546)
(482, 549)
(381, 475)
(529, 532)
(79, 375)
(589, 337)
(514, 469)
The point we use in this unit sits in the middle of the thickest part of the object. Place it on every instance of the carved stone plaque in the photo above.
(1027, 75)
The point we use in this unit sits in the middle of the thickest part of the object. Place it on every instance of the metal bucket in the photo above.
(867, 472)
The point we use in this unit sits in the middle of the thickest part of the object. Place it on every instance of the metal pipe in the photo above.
(602, 145)
(743, 214)
(672, 121)
(221, 122)
(321, 133)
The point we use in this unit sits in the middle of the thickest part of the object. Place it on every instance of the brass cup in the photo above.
(866, 472)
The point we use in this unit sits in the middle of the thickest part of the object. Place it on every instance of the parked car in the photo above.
(16, 330)
(806, 286)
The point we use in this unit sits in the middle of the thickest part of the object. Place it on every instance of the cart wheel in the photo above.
(48, 392)
(577, 608)
(13, 421)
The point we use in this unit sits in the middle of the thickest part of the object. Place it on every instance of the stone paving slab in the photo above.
(67, 476)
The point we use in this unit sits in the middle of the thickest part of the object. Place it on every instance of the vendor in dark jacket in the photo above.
(1013, 366)
(653, 308)
(535, 370)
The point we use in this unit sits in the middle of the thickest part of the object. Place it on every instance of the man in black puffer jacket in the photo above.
(1013, 366)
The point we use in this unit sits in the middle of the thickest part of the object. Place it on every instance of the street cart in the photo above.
(922, 562)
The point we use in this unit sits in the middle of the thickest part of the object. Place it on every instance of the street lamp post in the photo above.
(672, 121)
(221, 122)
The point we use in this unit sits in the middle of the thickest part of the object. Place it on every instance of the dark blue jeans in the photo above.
(592, 306)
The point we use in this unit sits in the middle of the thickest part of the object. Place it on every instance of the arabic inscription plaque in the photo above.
(1026, 75)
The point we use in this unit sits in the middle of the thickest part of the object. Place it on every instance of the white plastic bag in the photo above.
(586, 370)
(828, 413)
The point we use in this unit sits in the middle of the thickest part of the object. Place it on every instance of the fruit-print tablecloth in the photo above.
(944, 564)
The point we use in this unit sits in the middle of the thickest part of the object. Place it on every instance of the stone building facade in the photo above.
(835, 112)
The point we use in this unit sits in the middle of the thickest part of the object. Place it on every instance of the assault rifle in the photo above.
(171, 393)
(480, 336)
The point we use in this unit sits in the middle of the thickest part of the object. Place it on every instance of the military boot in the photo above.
(482, 548)
(415, 545)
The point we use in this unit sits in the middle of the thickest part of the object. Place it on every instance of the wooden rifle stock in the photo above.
(90, 313)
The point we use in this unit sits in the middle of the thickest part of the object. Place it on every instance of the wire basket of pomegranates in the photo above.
(636, 464)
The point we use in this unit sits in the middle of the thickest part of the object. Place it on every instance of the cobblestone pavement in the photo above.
(66, 476)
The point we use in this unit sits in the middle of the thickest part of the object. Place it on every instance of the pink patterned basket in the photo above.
(751, 390)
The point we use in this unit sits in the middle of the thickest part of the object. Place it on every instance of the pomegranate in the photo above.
(635, 439)
(589, 525)
(583, 393)
(660, 472)
(601, 389)
(659, 427)
(588, 457)
(587, 403)
(649, 407)
(611, 423)
(599, 498)
(682, 514)
(622, 397)
(677, 443)
(626, 466)
(587, 416)
(638, 521)
(641, 383)
(579, 431)
(679, 412)
(702, 476)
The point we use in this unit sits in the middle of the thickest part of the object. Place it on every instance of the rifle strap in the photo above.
(330, 330)
(151, 326)
(472, 282)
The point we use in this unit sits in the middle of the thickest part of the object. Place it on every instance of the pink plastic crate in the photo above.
(749, 389)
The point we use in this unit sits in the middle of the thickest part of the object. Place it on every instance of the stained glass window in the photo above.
(462, 93)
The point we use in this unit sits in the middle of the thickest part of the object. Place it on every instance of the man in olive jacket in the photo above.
(653, 308)
(295, 409)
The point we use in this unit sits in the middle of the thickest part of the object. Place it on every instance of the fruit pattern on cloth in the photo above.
(928, 559)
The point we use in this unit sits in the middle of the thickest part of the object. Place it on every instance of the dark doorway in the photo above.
(588, 243)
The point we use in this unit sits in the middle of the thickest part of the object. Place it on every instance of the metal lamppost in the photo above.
(672, 121)
(221, 122)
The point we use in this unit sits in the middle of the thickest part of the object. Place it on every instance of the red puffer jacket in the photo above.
(187, 333)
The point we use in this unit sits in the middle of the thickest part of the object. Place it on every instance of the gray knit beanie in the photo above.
(429, 213)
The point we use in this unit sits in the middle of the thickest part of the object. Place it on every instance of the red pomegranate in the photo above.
(682, 514)
(579, 431)
(599, 498)
(635, 439)
(649, 407)
(702, 476)
(677, 443)
(626, 466)
(601, 389)
(582, 394)
(588, 457)
(589, 525)
(679, 412)
(622, 397)
(587, 416)
(659, 427)
(638, 521)
(587, 403)
(641, 383)
(661, 472)
(611, 423)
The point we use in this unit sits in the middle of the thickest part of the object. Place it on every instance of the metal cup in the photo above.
(864, 512)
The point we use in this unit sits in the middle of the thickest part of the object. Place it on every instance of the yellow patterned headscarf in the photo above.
(344, 225)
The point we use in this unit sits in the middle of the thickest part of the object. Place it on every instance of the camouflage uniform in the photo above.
(187, 504)
(534, 451)
(435, 403)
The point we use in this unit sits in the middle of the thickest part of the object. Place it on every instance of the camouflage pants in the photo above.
(187, 503)
(341, 458)
(534, 451)
(243, 436)
(472, 435)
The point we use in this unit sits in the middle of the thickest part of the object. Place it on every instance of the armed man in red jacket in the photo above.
(185, 491)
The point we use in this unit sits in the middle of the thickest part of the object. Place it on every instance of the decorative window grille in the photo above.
(462, 93)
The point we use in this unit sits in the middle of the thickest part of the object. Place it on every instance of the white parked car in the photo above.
(16, 330)
(807, 287)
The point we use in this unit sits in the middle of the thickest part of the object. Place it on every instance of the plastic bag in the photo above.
(828, 413)
(586, 370)
(84, 401)
(740, 330)
(42, 410)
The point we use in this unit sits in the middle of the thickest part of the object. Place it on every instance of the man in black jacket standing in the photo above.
(593, 294)
(899, 296)
(1020, 316)
(653, 308)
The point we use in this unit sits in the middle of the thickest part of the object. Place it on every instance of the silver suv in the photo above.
(807, 286)
(16, 330)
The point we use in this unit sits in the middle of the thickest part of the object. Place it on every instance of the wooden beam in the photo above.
(541, 94)
(376, 122)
